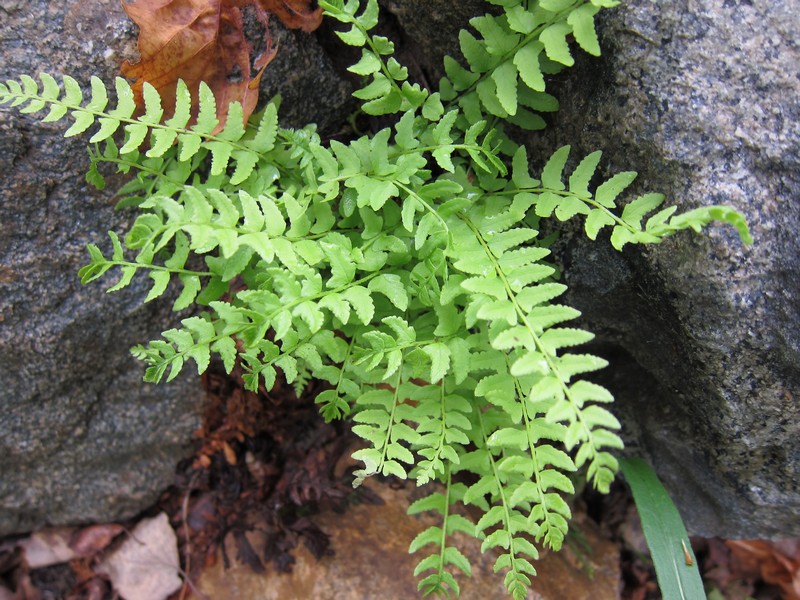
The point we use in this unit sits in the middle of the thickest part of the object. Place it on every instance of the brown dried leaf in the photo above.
(245, 553)
(778, 562)
(203, 40)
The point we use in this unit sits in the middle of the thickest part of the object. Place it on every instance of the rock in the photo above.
(82, 438)
(428, 30)
(371, 561)
(702, 332)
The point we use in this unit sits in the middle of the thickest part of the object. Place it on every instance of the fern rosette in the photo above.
(404, 268)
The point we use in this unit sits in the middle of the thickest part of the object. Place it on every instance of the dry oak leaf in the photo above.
(203, 40)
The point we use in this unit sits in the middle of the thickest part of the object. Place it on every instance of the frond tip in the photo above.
(149, 130)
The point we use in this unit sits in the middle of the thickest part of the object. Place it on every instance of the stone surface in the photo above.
(428, 30)
(703, 99)
(371, 561)
(81, 437)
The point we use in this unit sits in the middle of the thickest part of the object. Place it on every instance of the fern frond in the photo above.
(405, 268)
(552, 197)
(224, 146)
(380, 423)
(504, 525)
(440, 581)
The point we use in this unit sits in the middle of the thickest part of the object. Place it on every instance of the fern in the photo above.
(405, 269)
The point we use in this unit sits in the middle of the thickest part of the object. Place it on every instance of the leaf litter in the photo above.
(204, 40)
(146, 565)
(264, 466)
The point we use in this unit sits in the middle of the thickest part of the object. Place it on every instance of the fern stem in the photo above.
(500, 492)
(96, 114)
(344, 363)
(534, 459)
(395, 401)
(140, 167)
(416, 344)
(427, 206)
(446, 512)
(567, 194)
(125, 263)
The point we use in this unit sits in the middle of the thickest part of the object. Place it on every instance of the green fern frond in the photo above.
(229, 144)
(440, 581)
(405, 269)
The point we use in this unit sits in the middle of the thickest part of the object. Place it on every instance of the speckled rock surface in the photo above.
(703, 99)
(428, 30)
(81, 437)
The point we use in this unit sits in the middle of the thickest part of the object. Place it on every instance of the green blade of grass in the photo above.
(676, 565)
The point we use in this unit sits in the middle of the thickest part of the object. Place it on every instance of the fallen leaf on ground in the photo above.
(145, 566)
(295, 14)
(15, 572)
(48, 547)
(777, 562)
(204, 40)
(91, 540)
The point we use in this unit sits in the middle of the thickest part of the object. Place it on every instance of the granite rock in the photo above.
(81, 437)
(703, 99)
(703, 333)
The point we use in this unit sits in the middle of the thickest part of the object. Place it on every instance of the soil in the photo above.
(268, 461)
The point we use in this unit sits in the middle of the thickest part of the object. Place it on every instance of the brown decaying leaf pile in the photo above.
(737, 566)
(204, 40)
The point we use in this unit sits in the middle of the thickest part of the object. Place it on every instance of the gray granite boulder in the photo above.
(82, 438)
(703, 99)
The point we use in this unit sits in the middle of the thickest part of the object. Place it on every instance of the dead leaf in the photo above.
(230, 455)
(15, 571)
(295, 14)
(91, 540)
(778, 562)
(145, 566)
(245, 553)
(203, 40)
(48, 547)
